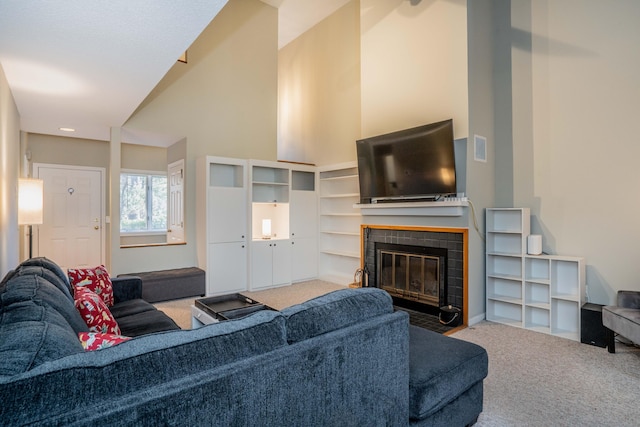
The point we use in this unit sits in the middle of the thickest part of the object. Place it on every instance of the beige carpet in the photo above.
(537, 379)
(534, 379)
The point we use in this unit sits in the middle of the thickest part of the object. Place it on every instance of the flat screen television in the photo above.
(409, 165)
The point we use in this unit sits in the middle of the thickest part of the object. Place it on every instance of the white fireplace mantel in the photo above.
(453, 207)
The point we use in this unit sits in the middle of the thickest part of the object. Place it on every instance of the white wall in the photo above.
(9, 172)
(575, 144)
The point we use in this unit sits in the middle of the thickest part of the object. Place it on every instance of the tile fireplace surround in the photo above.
(455, 240)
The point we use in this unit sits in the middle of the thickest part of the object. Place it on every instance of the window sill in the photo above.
(150, 245)
(142, 233)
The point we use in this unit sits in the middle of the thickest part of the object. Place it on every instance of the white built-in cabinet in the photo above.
(263, 224)
(221, 211)
(303, 219)
(543, 293)
(270, 263)
(339, 222)
(270, 245)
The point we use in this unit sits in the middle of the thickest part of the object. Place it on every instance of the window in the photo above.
(143, 202)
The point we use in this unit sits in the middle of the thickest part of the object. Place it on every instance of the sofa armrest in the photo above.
(126, 288)
(629, 299)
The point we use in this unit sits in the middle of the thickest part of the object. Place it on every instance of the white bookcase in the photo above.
(543, 293)
(339, 222)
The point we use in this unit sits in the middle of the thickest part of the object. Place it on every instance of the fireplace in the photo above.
(421, 267)
(416, 273)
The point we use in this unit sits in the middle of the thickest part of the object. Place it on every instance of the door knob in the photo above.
(96, 227)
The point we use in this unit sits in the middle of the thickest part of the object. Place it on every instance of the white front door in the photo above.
(175, 219)
(72, 233)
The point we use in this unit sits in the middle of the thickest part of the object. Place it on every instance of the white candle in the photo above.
(266, 228)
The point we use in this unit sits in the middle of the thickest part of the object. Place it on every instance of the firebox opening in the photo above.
(412, 274)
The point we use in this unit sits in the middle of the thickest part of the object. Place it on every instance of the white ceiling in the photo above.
(88, 64)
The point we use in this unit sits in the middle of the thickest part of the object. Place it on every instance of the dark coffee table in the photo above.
(224, 307)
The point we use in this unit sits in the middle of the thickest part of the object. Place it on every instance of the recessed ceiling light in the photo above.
(67, 129)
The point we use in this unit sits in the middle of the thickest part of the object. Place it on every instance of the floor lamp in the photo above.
(30, 202)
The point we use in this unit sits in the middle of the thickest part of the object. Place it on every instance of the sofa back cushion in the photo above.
(32, 328)
(335, 310)
(53, 268)
(33, 284)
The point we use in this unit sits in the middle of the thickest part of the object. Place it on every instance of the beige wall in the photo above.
(319, 91)
(61, 150)
(414, 64)
(142, 157)
(9, 172)
(575, 157)
(223, 102)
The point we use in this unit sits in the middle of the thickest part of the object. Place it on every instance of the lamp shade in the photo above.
(30, 201)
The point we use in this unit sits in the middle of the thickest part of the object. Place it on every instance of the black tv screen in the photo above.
(408, 165)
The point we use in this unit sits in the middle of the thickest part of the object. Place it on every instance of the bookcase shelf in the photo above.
(338, 192)
(542, 293)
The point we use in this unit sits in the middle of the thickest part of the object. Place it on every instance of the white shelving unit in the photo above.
(313, 217)
(543, 293)
(339, 222)
(270, 255)
(303, 230)
(221, 201)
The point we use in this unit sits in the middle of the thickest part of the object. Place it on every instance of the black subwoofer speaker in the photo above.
(591, 329)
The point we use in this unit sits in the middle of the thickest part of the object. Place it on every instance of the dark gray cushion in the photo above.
(146, 323)
(27, 344)
(130, 308)
(32, 328)
(126, 288)
(440, 369)
(628, 299)
(47, 274)
(52, 267)
(335, 310)
(41, 292)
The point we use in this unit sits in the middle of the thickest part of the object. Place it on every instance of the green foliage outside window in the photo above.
(143, 202)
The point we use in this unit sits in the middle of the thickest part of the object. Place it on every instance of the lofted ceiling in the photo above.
(88, 64)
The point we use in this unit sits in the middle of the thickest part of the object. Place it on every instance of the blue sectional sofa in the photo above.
(345, 358)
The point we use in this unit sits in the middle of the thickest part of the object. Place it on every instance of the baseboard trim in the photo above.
(476, 319)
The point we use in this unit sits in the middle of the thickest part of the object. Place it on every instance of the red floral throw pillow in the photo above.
(95, 279)
(95, 312)
(92, 341)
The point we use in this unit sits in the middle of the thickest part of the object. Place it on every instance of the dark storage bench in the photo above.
(172, 284)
